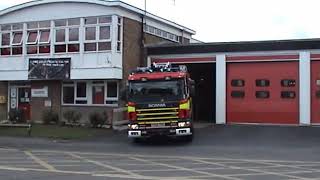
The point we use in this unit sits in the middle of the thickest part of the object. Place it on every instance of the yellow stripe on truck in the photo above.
(185, 105)
(131, 109)
(157, 118)
(157, 122)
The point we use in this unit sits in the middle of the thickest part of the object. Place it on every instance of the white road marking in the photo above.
(154, 160)
(105, 165)
(253, 170)
(183, 168)
(176, 157)
(39, 161)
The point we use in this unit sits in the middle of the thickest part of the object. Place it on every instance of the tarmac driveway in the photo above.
(221, 152)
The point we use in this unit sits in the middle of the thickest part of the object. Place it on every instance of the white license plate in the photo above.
(158, 125)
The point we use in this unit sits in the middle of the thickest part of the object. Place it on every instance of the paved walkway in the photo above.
(84, 165)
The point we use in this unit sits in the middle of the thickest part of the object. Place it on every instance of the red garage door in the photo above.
(315, 92)
(262, 92)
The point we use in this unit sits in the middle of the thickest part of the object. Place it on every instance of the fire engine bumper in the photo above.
(155, 132)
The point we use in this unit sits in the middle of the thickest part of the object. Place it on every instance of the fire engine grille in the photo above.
(157, 114)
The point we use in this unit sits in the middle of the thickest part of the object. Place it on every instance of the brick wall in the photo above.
(4, 107)
(151, 39)
(133, 52)
(38, 104)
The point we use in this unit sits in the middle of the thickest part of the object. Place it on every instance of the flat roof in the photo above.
(240, 46)
(116, 3)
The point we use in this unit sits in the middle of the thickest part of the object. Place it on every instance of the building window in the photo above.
(262, 94)
(68, 95)
(90, 33)
(90, 93)
(60, 35)
(104, 32)
(44, 36)
(97, 34)
(5, 37)
(112, 88)
(32, 37)
(90, 47)
(90, 20)
(38, 37)
(16, 50)
(81, 90)
(103, 46)
(119, 33)
(160, 33)
(237, 94)
(262, 83)
(237, 83)
(17, 38)
(288, 83)
(81, 93)
(67, 36)
(288, 94)
(5, 51)
(60, 23)
(73, 34)
(32, 49)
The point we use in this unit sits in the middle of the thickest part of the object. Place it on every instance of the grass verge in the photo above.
(55, 132)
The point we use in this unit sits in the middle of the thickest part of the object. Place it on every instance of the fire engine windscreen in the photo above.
(155, 91)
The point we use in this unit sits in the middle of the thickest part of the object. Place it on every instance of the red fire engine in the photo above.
(159, 102)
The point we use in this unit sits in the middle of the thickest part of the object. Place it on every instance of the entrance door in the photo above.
(24, 96)
(263, 92)
(315, 92)
(204, 100)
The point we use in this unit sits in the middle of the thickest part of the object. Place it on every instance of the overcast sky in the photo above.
(235, 20)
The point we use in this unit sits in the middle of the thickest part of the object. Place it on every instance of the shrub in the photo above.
(50, 117)
(72, 116)
(16, 116)
(106, 117)
(98, 119)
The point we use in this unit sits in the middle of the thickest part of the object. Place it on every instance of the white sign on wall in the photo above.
(13, 103)
(13, 92)
(40, 92)
(47, 103)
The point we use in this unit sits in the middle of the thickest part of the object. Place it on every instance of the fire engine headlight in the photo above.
(134, 126)
(183, 124)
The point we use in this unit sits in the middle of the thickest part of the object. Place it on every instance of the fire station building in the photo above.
(74, 54)
(263, 82)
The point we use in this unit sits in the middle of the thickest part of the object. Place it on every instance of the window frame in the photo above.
(67, 27)
(12, 38)
(62, 97)
(35, 42)
(49, 37)
(106, 91)
(89, 93)
(97, 40)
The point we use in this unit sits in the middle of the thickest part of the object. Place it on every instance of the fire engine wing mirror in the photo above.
(124, 94)
(192, 88)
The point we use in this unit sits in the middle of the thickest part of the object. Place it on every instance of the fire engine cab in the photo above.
(159, 102)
